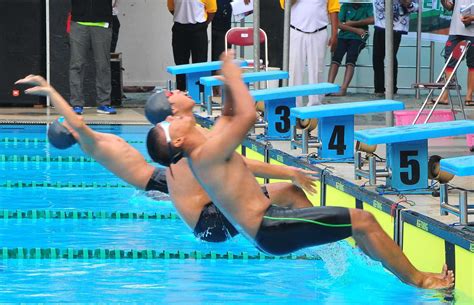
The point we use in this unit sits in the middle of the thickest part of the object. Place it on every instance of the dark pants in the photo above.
(188, 40)
(82, 38)
(379, 57)
(349, 47)
(218, 42)
(115, 33)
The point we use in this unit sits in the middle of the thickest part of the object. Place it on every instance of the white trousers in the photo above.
(310, 50)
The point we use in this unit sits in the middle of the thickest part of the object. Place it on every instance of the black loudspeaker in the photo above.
(22, 48)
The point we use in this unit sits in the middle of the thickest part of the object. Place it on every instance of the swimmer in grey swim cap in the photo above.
(59, 135)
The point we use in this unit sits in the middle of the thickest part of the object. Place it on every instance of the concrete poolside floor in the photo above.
(132, 113)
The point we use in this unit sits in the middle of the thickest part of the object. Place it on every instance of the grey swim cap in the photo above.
(157, 107)
(59, 136)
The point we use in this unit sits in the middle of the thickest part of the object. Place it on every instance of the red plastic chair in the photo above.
(243, 37)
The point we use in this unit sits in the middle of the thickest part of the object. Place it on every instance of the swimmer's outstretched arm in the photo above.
(300, 177)
(43, 88)
(237, 117)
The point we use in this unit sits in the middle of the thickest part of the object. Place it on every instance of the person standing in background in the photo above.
(220, 25)
(401, 19)
(309, 41)
(91, 28)
(115, 26)
(189, 37)
(354, 20)
(461, 28)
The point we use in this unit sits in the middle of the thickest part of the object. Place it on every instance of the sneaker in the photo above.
(78, 109)
(106, 110)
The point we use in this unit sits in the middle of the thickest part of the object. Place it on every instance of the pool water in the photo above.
(340, 275)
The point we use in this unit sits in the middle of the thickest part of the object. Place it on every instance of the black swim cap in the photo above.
(160, 150)
(59, 136)
(157, 108)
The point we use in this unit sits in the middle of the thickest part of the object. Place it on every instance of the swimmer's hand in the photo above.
(229, 69)
(41, 86)
(304, 179)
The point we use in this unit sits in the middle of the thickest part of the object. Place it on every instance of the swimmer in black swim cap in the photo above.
(189, 198)
(279, 231)
(159, 106)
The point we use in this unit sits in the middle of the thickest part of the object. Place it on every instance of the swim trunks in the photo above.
(285, 230)
(157, 181)
(213, 226)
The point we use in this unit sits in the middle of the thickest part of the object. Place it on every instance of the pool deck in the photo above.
(132, 113)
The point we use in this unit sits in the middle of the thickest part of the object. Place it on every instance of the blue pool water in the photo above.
(343, 275)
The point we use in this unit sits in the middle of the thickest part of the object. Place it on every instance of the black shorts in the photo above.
(285, 230)
(452, 41)
(157, 181)
(213, 226)
(352, 47)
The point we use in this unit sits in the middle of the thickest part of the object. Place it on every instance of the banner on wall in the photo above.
(435, 18)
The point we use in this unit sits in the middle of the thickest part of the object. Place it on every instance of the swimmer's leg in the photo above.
(286, 194)
(374, 242)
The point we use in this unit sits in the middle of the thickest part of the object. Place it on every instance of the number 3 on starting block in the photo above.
(277, 115)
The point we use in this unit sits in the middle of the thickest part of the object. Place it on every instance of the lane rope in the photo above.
(37, 158)
(103, 253)
(90, 215)
(43, 140)
(60, 184)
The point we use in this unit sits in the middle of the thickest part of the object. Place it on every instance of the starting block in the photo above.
(335, 126)
(251, 77)
(463, 167)
(407, 151)
(279, 101)
(194, 72)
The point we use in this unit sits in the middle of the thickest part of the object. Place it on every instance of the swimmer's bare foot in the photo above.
(340, 93)
(445, 279)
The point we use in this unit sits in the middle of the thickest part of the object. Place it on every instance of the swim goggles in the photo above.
(174, 154)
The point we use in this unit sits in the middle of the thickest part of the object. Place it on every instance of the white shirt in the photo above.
(457, 27)
(191, 11)
(310, 15)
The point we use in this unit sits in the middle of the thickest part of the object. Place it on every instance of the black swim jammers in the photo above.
(285, 230)
(213, 226)
(157, 181)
